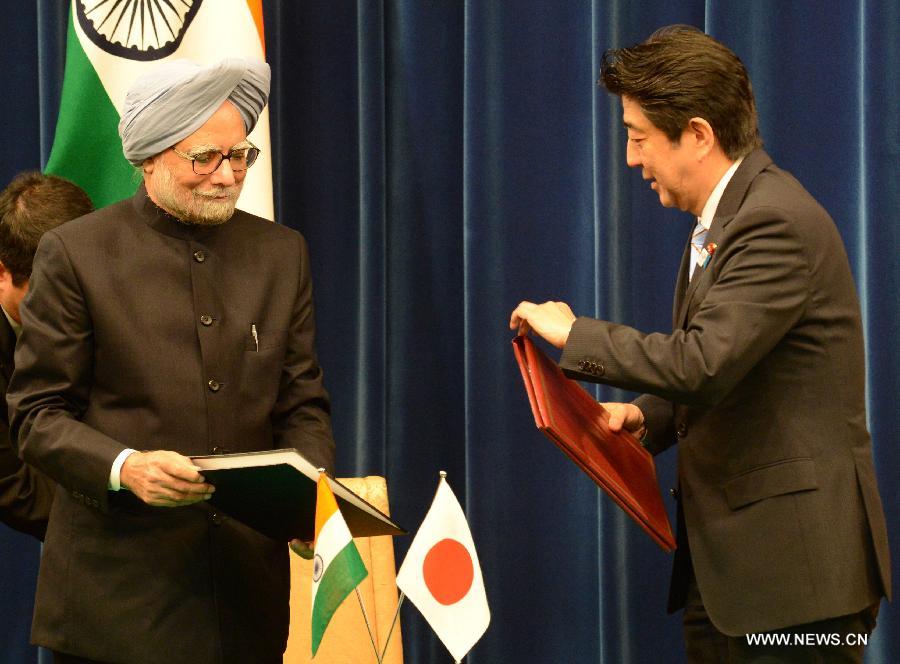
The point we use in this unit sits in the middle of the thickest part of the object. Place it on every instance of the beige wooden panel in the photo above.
(346, 640)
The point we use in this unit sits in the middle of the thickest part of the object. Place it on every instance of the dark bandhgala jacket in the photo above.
(762, 386)
(26, 494)
(138, 332)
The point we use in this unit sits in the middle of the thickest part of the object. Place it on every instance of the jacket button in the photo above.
(214, 385)
(216, 518)
(199, 256)
(681, 431)
(674, 493)
(583, 364)
(600, 369)
(206, 319)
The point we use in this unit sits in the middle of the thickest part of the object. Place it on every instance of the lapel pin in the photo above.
(707, 253)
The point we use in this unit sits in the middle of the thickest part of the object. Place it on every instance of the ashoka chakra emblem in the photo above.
(137, 29)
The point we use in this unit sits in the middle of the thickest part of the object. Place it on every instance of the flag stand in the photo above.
(393, 622)
(368, 625)
(391, 630)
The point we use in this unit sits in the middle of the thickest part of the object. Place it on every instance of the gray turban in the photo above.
(174, 100)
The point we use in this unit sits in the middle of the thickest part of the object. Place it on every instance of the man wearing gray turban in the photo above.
(173, 324)
(176, 99)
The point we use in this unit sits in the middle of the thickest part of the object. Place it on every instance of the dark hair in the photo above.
(30, 206)
(679, 73)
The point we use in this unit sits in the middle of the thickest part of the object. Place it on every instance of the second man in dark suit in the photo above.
(761, 383)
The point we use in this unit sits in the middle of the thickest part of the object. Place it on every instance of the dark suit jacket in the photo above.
(762, 385)
(25, 493)
(137, 333)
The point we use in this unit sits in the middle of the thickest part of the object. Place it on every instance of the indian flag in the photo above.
(337, 566)
(109, 45)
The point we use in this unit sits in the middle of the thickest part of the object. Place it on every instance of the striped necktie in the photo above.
(698, 238)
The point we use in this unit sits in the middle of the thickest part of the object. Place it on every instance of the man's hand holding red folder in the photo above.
(553, 321)
(550, 320)
(627, 416)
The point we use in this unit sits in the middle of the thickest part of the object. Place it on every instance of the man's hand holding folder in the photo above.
(626, 416)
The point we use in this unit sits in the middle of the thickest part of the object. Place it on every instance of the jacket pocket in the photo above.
(776, 479)
(265, 339)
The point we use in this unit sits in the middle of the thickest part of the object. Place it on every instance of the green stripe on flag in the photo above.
(86, 147)
(342, 575)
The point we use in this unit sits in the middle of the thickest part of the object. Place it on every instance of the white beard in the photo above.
(193, 206)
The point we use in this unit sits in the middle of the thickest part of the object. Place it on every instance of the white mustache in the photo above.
(229, 192)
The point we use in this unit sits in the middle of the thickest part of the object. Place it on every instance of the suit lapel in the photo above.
(681, 284)
(732, 198)
(7, 351)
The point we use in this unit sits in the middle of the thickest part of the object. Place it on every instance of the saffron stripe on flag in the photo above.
(326, 506)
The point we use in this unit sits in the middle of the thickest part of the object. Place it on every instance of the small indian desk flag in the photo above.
(337, 565)
(442, 577)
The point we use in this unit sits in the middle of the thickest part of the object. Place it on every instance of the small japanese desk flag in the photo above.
(442, 577)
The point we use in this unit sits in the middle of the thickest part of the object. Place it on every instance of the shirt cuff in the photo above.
(114, 480)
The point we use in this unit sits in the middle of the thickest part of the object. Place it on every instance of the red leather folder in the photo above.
(616, 461)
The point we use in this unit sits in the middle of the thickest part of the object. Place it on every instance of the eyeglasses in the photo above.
(241, 157)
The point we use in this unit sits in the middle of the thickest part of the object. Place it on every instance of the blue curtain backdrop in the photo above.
(447, 159)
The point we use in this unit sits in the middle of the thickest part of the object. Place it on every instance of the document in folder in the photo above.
(274, 491)
(572, 419)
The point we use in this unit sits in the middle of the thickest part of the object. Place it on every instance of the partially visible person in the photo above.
(30, 206)
(761, 383)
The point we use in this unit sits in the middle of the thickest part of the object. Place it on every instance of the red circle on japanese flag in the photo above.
(448, 571)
